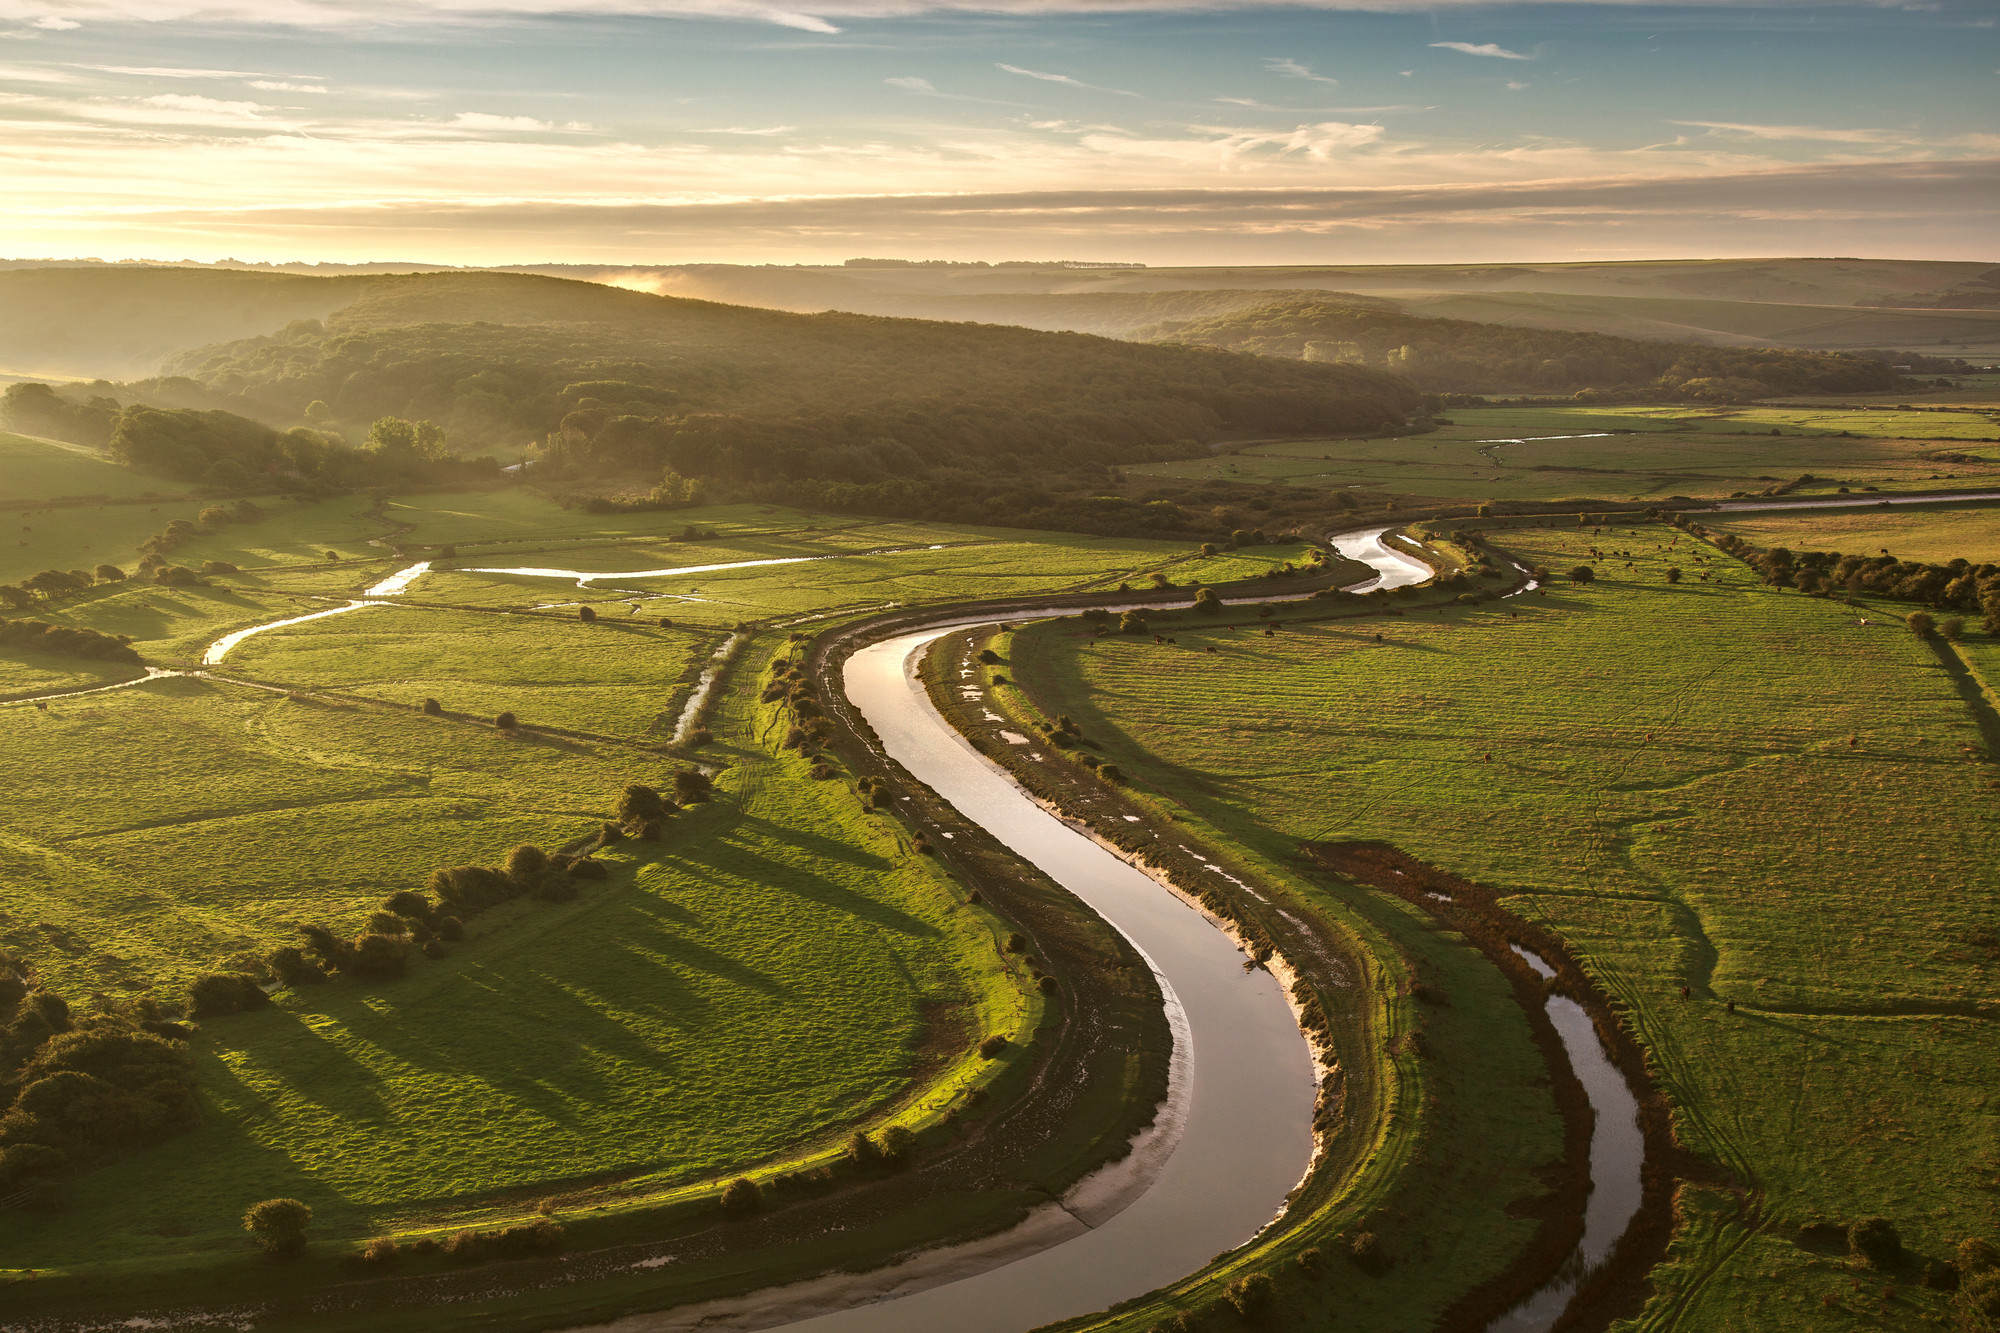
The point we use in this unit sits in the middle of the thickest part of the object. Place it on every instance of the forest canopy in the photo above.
(1461, 356)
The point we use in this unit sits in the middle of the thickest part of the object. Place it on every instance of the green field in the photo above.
(1938, 535)
(780, 967)
(1671, 786)
(38, 469)
(1637, 453)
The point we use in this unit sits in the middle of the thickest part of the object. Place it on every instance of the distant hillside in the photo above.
(624, 379)
(118, 322)
(1459, 356)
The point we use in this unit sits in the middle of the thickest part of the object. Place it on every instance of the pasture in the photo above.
(781, 965)
(1713, 785)
(1621, 453)
(40, 469)
(1937, 534)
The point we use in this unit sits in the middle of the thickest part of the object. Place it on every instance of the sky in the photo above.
(1156, 131)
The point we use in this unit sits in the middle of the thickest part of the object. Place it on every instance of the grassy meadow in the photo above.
(1713, 785)
(39, 469)
(779, 967)
(1624, 453)
(1938, 534)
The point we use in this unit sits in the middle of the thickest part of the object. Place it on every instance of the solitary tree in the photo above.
(585, 614)
(527, 861)
(1921, 624)
(1673, 573)
(741, 1196)
(279, 1225)
(109, 574)
(1207, 602)
(1582, 574)
(506, 722)
(1953, 628)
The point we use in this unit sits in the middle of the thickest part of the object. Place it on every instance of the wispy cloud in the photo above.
(766, 130)
(910, 83)
(484, 121)
(33, 74)
(1292, 69)
(1515, 85)
(56, 23)
(280, 86)
(175, 72)
(803, 22)
(1492, 49)
(1814, 132)
(1064, 79)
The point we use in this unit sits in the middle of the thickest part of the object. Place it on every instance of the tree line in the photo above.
(1462, 356)
(1957, 585)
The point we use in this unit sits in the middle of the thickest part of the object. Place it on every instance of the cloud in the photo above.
(55, 23)
(1292, 69)
(1482, 49)
(33, 74)
(1063, 79)
(1515, 85)
(207, 109)
(1322, 110)
(175, 72)
(1813, 132)
(803, 22)
(483, 121)
(739, 129)
(280, 86)
(910, 83)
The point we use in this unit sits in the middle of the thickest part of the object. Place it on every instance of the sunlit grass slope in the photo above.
(1716, 785)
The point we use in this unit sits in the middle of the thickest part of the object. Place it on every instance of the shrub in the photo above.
(862, 1150)
(585, 868)
(1979, 1301)
(989, 657)
(1111, 772)
(1254, 1295)
(742, 1197)
(700, 736)
(992, 1046)
(1581, 574)
(218, 567)
(213, 994)
(526, 862)
(386, 923)
(21, 1160)
(279, 1225)
(381, 1250)
(434, 708)
(1921, 624)
(639, 803)
(650, 829)
(1875, 1239)
(1132, 622)
(423, 1245)
(1366, 1251)
(529, 1238)
(1673, 574)
(1017, 943)
(449, 928)
(585, 614)
(506, 722)
(1310, 1261)
(465, 1247)
(692, 786)
(1953, 628)
(1047, 985)
(379, 957)
(897, 1144)
(408, 904)
(1207, 602)
(469, 889)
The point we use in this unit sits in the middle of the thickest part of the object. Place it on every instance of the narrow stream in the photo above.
(1617, 1152)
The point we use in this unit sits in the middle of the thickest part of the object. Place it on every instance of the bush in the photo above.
(19, 1161)
(1979, 1301)
(586, 614)
(279, 1225)
(862, 1150)
(585, 868)
(989, 657)
(434, 708)
(386, 923)
(1132, 622)
(1921, 624)
(506, 722)
(1017, 943)
(1207, 602)
(1311, 1261)
(692, 786)
(1047, 985)
(1581, 574)
(382, 1250)
(379, 957)
(897, 1144)
(1953, 628)
(1875, 1239)
(1673, 574)
(1366, 1251)
(638, 803)
(218, 567)
(742, 1197)
(465, 1247)
(527, 862)
(408, 904)
(449, 928)
(993, 1046)
(1111, 773)
(213, 994)
(1254, 1295)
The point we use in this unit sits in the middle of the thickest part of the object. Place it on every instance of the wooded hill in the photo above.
(1461, 356)
(630, 380)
